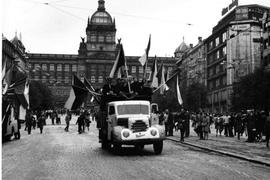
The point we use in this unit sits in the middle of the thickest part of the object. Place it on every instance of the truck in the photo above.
(129, 122)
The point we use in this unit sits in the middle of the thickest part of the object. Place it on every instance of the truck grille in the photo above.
(138, 126)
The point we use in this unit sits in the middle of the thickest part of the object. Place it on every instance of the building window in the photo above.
(140, 69)
(37, 67)
(224, 37)
(43, 80)
(93, 79)
(59, 67)
(74, 67)
(67, 80)
(36, 78)
(51, 67)
(44, 67)
(93, 38)
(66, 67)
(224, 51)
(109, 38)
(210, 45)
(217, 82)
(217, 55)
(100, 38)
(217, 41)
(100, 79)
(133, 69)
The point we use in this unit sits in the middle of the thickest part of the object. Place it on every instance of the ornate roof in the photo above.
(101, 16)
(181, 48)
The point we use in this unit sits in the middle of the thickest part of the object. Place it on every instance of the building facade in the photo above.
(266, 40)
(96, 55)
(233, 50)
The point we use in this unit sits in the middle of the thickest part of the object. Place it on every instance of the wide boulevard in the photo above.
(57, 154)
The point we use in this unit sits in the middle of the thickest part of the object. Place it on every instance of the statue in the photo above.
(119, 41)
(82, 39)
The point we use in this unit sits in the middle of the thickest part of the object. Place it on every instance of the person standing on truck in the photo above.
(165, 118)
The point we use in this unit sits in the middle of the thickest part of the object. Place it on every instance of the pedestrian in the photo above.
(80, 122)
(28, 121)
(205, 126)
(67, 119)
(53, 116)
(87, 120)
(170, 124)
(41, 122)
(251, 127)
(267, 129)
(239, 125)
(34, 121)
(181, 124)
(165, 117)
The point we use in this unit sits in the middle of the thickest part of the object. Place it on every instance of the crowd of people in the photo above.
(253, 124)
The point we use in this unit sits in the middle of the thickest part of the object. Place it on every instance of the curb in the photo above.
(222, 152)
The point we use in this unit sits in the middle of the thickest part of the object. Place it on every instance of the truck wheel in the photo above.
(158, 146)
(116, 147)
(105, 145)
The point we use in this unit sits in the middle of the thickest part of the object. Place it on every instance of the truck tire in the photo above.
(105, 145)
(116, 147)
(158, 146)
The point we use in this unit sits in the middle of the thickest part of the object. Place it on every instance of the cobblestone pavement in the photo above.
(253, 151)
(57, 154)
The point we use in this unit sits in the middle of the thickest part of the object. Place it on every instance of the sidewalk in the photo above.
(254, 152)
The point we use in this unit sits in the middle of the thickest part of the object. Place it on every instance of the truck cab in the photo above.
(128, 122)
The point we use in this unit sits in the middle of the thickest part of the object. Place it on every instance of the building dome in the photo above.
(181, 48)
(101, 16)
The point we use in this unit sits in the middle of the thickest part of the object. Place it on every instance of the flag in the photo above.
(70, 100)
(26, 93)
(7, 78)
(143, 59)
(179, 98)
(163, 85)
(77, 95)
(159, 74)
(119, 62)
(154, 78)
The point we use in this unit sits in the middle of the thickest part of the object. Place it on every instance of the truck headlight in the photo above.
(153, 132)
(125, 134)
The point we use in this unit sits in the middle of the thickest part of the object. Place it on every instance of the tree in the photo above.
(252, 92)
(195, 97)
(40, 96)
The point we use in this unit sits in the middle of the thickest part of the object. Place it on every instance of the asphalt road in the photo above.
(57, 154)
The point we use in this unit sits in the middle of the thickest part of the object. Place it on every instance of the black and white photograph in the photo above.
(135, 89)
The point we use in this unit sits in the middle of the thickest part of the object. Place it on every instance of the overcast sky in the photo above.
(55, 26)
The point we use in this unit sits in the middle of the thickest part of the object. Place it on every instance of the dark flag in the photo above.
(119, 62)
(77, 95)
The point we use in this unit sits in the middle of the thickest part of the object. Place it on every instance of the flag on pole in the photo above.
(159, 74)
(77, 95)
(119, 62)
(154, 78)
(163, 85)
(144, 57)
(179, 97)
(26, 93)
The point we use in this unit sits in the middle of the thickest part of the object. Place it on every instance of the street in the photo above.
(57, 154)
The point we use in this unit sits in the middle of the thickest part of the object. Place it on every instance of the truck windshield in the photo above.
(132, 109)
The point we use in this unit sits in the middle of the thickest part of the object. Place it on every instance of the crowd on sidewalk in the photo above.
(253, 124)
(37, 119)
